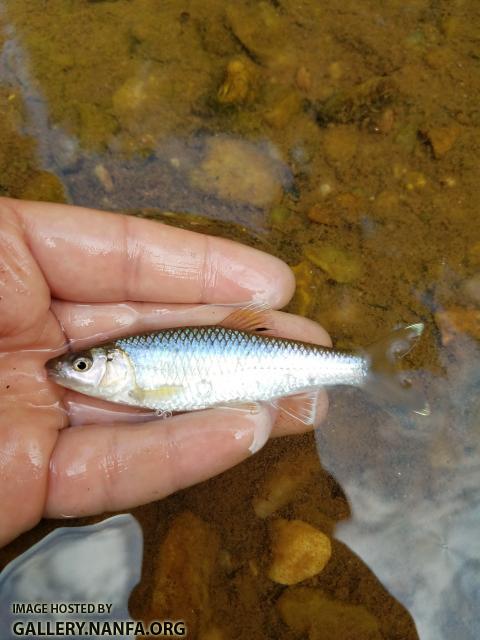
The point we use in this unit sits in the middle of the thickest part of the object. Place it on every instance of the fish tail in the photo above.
(385, 382)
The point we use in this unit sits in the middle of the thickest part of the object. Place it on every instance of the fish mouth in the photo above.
(54, 375)
(54, 369)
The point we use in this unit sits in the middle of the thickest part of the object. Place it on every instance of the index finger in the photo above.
(94, 256)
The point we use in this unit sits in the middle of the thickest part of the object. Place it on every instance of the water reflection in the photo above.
(99, 563)
(416, 506)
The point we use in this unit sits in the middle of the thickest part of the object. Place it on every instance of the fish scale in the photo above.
(216, 365)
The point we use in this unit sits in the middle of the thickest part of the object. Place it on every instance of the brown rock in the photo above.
(44, 186)
(441, 139)
(236, 87)
(303, 79)
(458, 320)
(340, 265)
(283, 483)
(281, 114)
(341, 143)
(307, 610)
(322, 213)
(239, 171)
(184, 568)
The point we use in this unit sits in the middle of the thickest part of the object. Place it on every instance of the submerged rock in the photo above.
(286, 107)
(341, 144)
(237, 85)
(299, 551)
(239, 171)
(307, 610)
(471, 288)
(44, 186)
(356, 104)
(304, 299)
(441, 139)
(261, 29)
(457, 321)
(283, 484)
(303, 79)
(337, 263)
(185, 564)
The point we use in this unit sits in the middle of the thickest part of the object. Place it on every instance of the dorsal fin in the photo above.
(254, 317)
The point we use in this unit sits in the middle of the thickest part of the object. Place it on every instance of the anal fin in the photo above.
(301, 407)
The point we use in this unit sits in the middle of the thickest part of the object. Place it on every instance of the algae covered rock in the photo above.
(340, 143)
(237, 85)
(184, 568)
(299, 551)
(239, 171)
(44, 186)
(441, 139)
(337, 263)
(456, 321)
(283, 482)
(304, 299)
(260, 28)
(307, 610)
(285, 108)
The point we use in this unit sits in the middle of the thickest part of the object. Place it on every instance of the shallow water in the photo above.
(346, 142)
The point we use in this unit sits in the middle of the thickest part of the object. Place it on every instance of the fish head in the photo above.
(101, 372)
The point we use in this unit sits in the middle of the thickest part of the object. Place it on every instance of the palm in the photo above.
(71, 274)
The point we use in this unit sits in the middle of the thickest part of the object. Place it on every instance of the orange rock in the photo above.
(458, 320)
(299, 551)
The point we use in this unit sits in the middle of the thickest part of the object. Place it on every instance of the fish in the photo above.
(238, 363)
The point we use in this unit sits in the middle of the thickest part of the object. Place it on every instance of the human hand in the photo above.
(72, 275)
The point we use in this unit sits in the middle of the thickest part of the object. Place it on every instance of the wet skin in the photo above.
(72, 275)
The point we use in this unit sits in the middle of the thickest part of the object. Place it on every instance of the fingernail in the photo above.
(262, 427)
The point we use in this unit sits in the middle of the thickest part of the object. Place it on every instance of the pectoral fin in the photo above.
(247, 407)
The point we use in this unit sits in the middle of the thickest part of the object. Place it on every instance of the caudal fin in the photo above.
(386, 382)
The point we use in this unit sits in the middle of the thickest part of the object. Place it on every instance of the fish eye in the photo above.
(82, 364)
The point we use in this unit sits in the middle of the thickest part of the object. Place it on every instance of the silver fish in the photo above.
(233, 364)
